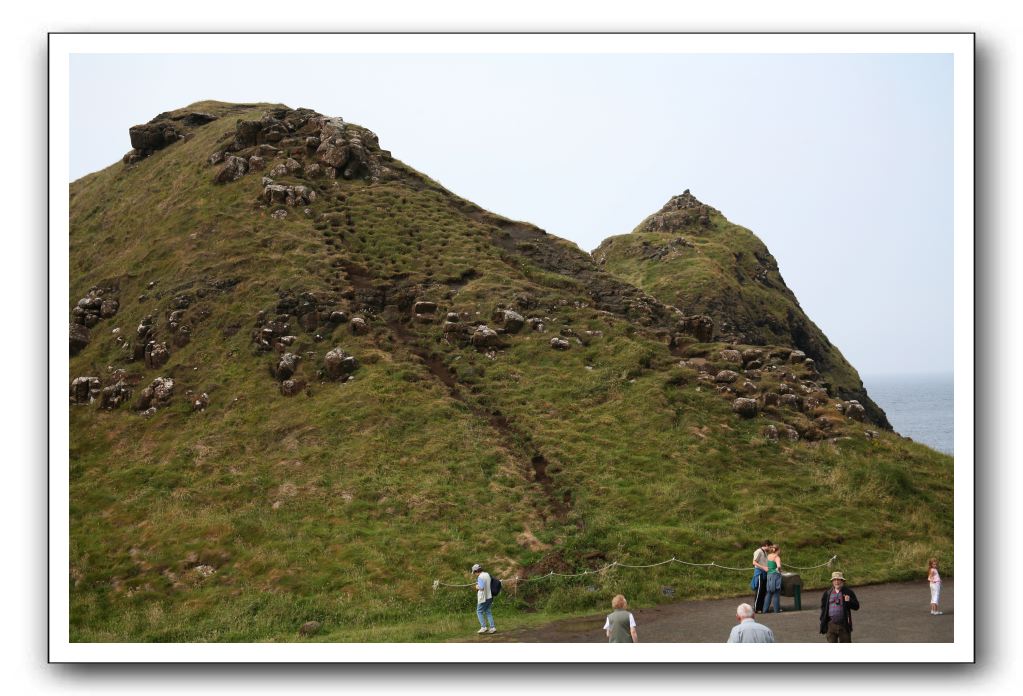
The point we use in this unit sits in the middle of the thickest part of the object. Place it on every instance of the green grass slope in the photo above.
(244, 518)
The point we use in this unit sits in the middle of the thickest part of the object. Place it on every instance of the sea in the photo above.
(918, 406)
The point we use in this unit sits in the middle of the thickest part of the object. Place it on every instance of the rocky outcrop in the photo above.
(699, 326)
(291, 387)
(359, 326)
(232, 169)
(485, 337)
(560, 344)
(726, 377)
(156, 355)
(314, 145)
(164, 130)
(747, 408)
(732, 356)
(853, 409)
(156, 395)
(78, 337)
(681, 212)
(284, 367)
(84, 390)
(201, 402)
(288, 195)
(99, 303)
(339, 365)
(114, 395)
(510, 321)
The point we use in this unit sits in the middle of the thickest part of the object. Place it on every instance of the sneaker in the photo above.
(482, 630)
(938, 613)
(492, 630)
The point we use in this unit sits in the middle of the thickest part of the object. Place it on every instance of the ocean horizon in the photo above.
(919, 406)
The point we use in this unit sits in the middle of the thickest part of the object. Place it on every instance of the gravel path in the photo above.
(892, 613)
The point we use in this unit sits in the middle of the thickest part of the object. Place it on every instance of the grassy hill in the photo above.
(689, 255)
(276, 484)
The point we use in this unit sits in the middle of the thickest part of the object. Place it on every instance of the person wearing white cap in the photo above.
(484, 599)
(837, 606)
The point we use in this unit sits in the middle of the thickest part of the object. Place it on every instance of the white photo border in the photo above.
(959, 45)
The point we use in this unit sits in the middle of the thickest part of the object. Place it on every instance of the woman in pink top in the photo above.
(935, 580)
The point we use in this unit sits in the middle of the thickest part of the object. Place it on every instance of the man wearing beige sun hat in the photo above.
(837, 606)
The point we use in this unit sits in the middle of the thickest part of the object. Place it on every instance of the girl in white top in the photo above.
(935, 581)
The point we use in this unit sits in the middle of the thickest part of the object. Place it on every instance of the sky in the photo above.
(841, 163)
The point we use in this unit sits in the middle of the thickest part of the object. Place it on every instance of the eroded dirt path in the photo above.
(892, 613)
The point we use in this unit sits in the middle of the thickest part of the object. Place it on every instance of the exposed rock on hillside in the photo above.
(166, 129)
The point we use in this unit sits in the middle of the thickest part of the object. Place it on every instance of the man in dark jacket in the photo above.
(837, 606)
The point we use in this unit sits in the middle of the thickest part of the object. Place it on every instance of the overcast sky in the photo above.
(841, 164)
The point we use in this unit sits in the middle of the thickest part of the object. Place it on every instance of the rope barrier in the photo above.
(613, 564)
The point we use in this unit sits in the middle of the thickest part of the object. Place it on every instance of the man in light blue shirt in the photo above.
(748, 630)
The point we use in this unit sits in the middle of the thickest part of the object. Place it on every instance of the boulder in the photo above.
(338, 317)
(256, 163)
(359, 326)
(309, 321)
(424, 307)
(285, 367)
(108, 308)
(771, 432)
(156, 355)
(792, 401)
(78, 337)
(510, 320)
(771, 399)
(309, 628)
(747, 408)
(796, 356)
(791, 433)
(158, 393)
(751, 354)
(232, 169)
(151, 136)
(291, 387)
(732, 356)
(726, 377)
(560, 344)
(288, 195)
(339, 364)
(113, 396)
(145, 328)
(312, 171)
(84, 390)
(484, 337)
(536, 324)
(854, 410)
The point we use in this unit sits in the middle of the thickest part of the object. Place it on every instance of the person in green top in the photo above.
(773, 582)
(620, 626)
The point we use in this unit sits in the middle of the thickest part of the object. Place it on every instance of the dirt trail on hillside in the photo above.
(892, 613)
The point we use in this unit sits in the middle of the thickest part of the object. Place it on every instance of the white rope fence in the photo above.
(615, 564)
